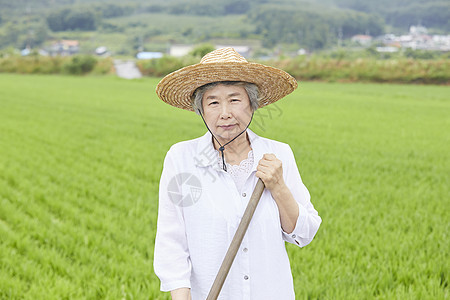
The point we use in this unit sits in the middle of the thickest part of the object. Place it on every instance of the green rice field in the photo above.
(80, 160)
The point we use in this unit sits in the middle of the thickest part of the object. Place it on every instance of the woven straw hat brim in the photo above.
(177, 88)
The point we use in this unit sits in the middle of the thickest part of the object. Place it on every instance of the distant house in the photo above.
(417, 39)
(243, 50)
(180, 50)
(442, 42)
(302, 51)
(387, 49)
(25, 52)
(363, 40)
(418, 30)
(102, 51)
(64, 48)
(149, 55)
(406, 38)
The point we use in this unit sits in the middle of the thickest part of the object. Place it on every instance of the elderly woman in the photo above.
(206, 184)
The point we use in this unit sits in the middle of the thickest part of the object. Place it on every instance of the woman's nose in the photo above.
(225, 111)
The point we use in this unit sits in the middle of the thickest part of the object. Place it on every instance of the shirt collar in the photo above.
(206, 155)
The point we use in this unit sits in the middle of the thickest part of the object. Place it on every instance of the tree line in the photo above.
(399, 13)
(312, 30)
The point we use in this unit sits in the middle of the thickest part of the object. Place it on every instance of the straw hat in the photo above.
(224, 64)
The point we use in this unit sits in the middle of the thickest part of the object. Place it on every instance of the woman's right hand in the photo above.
(181, 294)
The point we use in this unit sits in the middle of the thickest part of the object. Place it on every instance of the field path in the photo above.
(127, 69)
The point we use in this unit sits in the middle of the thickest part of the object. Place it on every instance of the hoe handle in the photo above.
(236, 242)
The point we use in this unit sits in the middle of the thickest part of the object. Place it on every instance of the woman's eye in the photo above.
(213, 102)
(234, 100)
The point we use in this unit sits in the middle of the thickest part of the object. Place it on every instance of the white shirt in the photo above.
(238, 173)
(199, 211)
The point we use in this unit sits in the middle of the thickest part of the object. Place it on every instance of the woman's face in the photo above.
(226, 110)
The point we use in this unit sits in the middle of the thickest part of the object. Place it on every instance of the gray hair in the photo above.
(251, 89)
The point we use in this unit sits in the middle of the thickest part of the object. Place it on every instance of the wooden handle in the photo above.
(236, 242)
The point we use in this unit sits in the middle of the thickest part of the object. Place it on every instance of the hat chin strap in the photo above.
(222, 147)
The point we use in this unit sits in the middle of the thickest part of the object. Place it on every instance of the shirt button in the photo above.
(294, 236)
(244, 194)
(246, 277)
(245, 249)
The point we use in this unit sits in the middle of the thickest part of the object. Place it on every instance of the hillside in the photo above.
(152, 25)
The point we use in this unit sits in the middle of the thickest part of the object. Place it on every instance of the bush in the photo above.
(31, 64)
(104, 66)
(398, 70)
(36, 64)
(160, 66)
(420, 54)
(202, 50)
(401, 70)
(80, 64)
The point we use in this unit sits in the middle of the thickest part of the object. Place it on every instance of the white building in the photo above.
(180, 50)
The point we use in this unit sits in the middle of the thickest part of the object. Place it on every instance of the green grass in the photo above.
(80, 160)
(178, 23)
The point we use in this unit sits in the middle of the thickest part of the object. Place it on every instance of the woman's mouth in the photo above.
(227, 127)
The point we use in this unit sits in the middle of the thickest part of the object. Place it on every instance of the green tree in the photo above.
(353, 23)
(202, 50)
(68, 19)
(55, 20)
(114, 10)
(10, 35)
(80, 64)
(40, 34)
(81, 20)
(236, 7)
(428, 14)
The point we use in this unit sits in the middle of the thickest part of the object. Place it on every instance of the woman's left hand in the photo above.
(270, 170)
